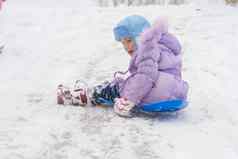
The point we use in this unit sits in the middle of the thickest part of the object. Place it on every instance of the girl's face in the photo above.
(129, 45)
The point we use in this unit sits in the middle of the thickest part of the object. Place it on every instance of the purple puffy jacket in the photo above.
(155, 68)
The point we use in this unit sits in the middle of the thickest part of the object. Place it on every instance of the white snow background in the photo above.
(52, 42)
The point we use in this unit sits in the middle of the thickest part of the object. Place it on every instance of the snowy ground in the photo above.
(46, 44)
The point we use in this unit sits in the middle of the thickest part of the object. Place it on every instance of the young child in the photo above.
(154, 72)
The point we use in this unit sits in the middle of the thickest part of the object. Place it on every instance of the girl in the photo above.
(154, 72)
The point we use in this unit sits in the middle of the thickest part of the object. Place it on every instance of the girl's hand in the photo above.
(122, 75)
(123, 107)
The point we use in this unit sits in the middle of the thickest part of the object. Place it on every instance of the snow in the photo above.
(47, 43)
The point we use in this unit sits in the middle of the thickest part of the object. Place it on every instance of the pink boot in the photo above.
(64, 96)
(79, 97)
(76, 96)
(79, 93)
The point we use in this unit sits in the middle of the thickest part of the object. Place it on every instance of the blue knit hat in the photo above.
(130, 27)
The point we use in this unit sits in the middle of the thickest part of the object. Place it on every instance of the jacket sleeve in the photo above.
(139, 84)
